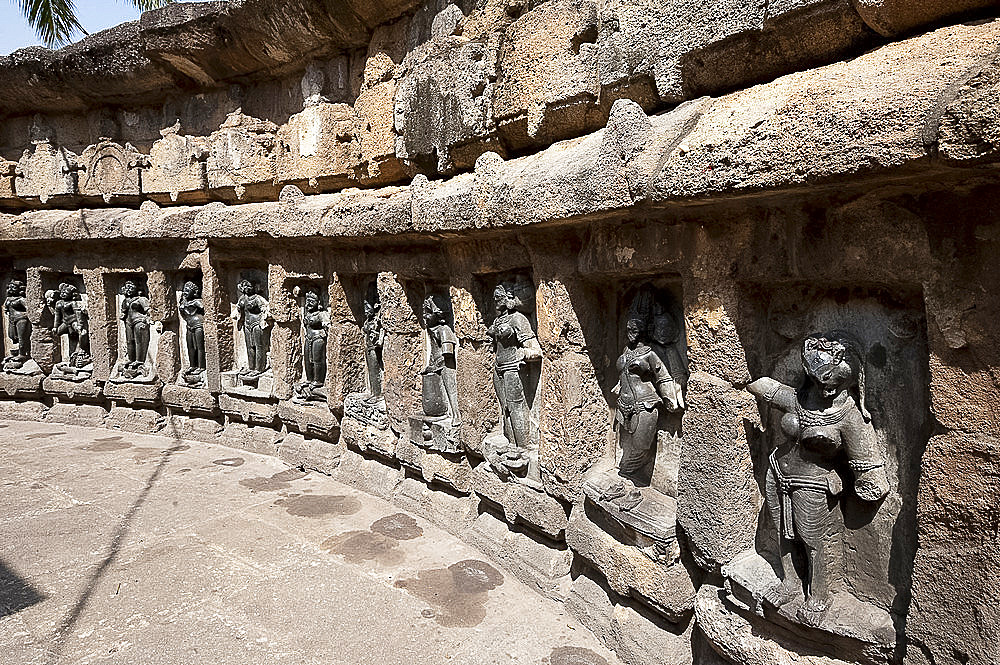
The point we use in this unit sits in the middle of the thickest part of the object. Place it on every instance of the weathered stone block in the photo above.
(81, 415)
(180, 426)
(310, 454)
(313, 419)
(718, 500)
(192, 400)
(318, 146)
(667, 589)
(261, 440)
(133, 393)
(521, 504)
(140, 421)
(368, 438)
(248, 410)
(452, 470)
(20, 385)
(17, 410)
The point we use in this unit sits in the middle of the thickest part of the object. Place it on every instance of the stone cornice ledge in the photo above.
(188, 46)
(913, 108)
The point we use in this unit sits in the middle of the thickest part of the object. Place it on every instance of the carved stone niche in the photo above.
(138, 331)
(189, 295)
(250, 314)
(21, 375)
(365, 424)
(844, 401)
(111, 170)
(432, 445)
(632, 494)
(67, 304)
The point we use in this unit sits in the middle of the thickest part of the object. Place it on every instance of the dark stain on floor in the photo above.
(273, 483)
(107, 445)
(361, 546)
(229, 461)
(575, 656)
(399, 526)
(457, 593)
(43, 435)
(319, 505)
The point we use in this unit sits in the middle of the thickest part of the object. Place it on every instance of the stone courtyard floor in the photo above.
(125, 548)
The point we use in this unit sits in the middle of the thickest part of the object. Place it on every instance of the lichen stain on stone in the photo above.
(361, 546)
(575, 656)
(320, 505)
(399, 526)
(458, 592)
(273, 483)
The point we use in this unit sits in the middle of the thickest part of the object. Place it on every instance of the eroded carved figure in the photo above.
(652, 375)
(823, 419)
(316, 326)
(513, 450)
(374, 339)
(438, 427)
(192, 309)
(135, 314)
(70, 318)
(18, 326)
(252, 308)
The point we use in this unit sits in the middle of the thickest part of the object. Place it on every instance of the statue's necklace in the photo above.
(809, 418)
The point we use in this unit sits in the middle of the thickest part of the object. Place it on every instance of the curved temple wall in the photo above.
(636, 366)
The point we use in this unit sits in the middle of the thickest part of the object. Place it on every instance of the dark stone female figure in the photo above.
(252, 307)
(439, 379)
(18, 325)
(374, 339)
(192, 308)
(71, 319)
(645, 388)
(515, 346)
(316, 323)
(135, 315)
(825, 420)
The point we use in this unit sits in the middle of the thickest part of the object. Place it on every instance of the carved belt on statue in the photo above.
(786, 486)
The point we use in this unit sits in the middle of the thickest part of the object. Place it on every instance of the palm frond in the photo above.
(146, 5)
(54, 21)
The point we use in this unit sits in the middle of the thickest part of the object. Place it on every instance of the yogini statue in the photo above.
(192, 309)
(374, 339)
(135, 316)
(824, 420)
(515, 348)
(18, 326)
(252, 307)
(646, 386)
(70, 318)
(316, 324)
(439, 393)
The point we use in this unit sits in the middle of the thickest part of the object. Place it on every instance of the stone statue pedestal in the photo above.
(310, 417)
(72, 389)
(650, 526)
(432, 450)
(666, 589)
(850, 628)
(521, 503)
(126, 372)
(240, 383)
(21, 368)
(21, 385)
(191, 379)
(436, 433)
(132, 392)
(73, 371)
(365, 425)
(190, 399)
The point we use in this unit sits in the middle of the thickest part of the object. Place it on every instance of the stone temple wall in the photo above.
(524, 267)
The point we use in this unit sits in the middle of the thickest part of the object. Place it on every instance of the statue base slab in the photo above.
(250, 410)
(436, 433)
(21, 368)
(249, 385)
(435, 466)
(70, 372)
(313, 418)
(127, 372)
(629, 571)
(20, 385)
(365, 425)
(521, 504)
(849, 626)
(86, 389)
(189, 399)
(191, 379)
(651, 525)
(132, 392)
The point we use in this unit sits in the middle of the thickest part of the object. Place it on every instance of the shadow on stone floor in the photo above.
(16, 593)
(121, 532)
